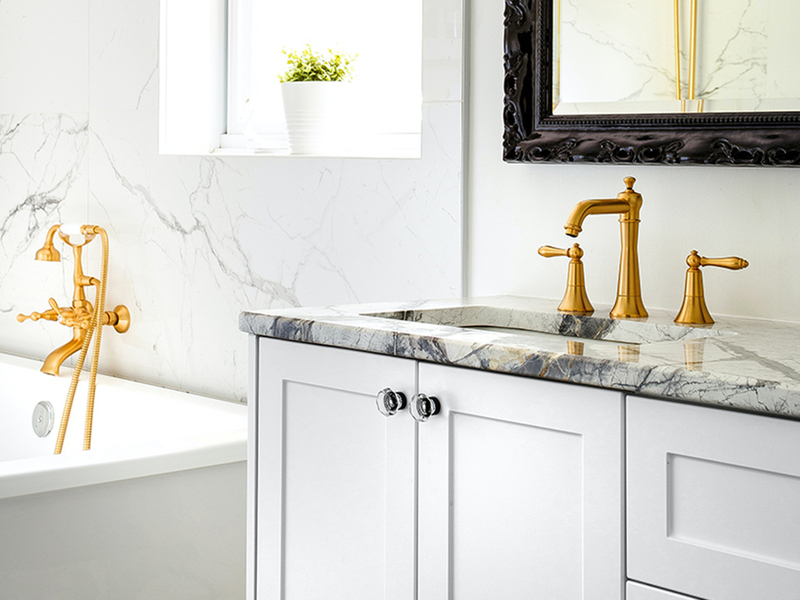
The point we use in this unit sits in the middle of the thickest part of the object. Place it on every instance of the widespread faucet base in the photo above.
(628, 307)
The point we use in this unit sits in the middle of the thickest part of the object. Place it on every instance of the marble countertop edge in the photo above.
(746, 368)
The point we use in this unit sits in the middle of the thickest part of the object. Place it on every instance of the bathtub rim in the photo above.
(30, 475)
(52, 473)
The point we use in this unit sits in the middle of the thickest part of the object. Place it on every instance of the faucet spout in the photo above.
(626, 204)
(593, 207)
(56, 358)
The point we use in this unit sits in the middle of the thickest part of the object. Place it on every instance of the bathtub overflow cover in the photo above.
(42, 418)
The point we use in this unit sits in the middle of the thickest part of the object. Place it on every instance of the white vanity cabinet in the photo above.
(513, 490)
(713, 506)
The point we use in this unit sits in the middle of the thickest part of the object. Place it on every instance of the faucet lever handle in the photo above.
(551, 251)
(48, 315)
(65, 314)
(70, 317)
(54, 305)
(575, 253)
(733, 263)
(576, 300)
(694, 260)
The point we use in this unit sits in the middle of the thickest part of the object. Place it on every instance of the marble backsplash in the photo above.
(194, 240)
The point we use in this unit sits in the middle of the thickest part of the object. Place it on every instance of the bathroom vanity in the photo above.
(527, 459)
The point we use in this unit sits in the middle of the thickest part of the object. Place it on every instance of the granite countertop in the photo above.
(750, 364)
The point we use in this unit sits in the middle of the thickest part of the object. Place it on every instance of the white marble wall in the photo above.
(194, 240)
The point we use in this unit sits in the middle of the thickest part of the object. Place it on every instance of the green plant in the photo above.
(307, 65)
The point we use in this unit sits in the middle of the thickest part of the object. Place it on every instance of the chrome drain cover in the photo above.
(42, 419)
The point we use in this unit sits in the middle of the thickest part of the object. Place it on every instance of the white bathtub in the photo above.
(156, 510)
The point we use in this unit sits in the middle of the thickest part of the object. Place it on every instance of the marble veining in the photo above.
(737, 363)
(624, 51)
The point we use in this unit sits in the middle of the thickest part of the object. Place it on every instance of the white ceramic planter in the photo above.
(314, 111)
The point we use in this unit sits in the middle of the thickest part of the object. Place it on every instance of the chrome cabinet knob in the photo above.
(389, 401)
(424, 407)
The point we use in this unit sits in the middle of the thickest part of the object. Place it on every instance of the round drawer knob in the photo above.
(424, 407)
(389, 401)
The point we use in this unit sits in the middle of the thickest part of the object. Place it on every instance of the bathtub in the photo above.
(155, 510)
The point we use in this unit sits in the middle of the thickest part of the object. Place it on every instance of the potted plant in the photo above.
(313, 97)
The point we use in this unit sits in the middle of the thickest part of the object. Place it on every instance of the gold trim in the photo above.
(693, 50)
(677, 51)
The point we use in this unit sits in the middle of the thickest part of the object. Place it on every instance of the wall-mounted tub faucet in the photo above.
(86, 320)
(627, 204)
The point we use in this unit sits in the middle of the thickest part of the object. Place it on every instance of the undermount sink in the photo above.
(517, 321)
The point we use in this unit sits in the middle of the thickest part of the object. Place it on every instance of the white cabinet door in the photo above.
(520, 489)
(335, 479)
(713, 501)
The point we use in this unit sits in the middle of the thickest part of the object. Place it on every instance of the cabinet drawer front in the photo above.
(713, 501)
(520, 491)
(637, 591)
(335, 478)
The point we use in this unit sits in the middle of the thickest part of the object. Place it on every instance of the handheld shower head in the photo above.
(75, 235)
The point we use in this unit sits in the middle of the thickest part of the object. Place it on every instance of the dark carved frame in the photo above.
(533, 134)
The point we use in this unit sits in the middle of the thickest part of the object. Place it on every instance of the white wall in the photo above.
(194, 240)
(515, 208)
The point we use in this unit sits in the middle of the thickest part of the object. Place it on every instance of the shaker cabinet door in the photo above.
(520, 489)
(335, 478)
(713, 501)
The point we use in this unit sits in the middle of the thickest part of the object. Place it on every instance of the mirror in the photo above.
(589, 81)
(621, 57)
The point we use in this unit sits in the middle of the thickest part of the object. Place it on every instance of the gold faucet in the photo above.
(79, 315)
(86, 320)
(629, 303)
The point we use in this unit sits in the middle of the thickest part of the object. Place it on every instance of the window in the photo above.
(382, 116)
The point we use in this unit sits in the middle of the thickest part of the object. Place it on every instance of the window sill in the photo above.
(387, 146)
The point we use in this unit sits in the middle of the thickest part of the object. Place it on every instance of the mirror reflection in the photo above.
(622, 57)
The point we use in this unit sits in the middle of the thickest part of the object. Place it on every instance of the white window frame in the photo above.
(274, 141)
(193, 73)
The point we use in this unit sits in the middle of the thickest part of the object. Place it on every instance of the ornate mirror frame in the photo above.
(532, 133)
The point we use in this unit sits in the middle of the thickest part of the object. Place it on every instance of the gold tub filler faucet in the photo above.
(86, 320)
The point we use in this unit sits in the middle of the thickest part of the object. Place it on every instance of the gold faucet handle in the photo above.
(694, 310)
(576, 300)
(67, 314)
(70, 317)
(550, 251)
(729, 262)
(48, 315)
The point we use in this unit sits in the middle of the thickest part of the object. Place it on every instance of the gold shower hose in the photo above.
(96, 325)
